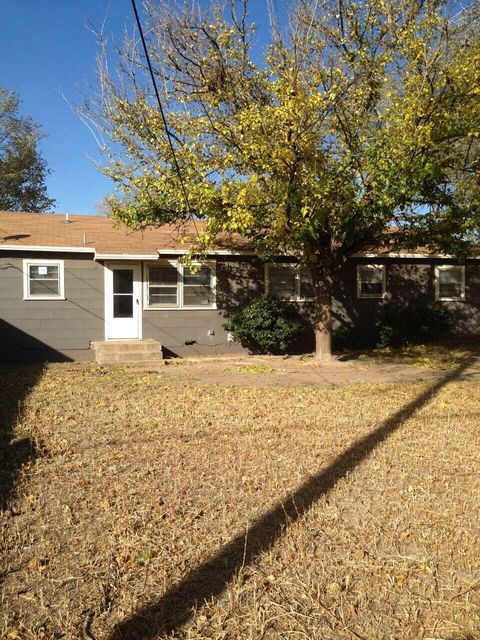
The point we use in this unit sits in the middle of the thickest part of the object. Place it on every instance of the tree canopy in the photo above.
(359, 117)
(22, 169)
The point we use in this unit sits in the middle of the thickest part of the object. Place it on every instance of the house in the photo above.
(67, 282)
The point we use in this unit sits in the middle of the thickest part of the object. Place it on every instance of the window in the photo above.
(175, 286)
(123, 292)
(450, 282)
(371, 280)
(43, 280)
(289, 281)
(163, 286)
(197, 287)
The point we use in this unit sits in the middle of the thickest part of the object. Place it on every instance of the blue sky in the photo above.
(47, 53)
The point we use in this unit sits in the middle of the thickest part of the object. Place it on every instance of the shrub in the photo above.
(402, 323)
(344, 337)
(267, 325)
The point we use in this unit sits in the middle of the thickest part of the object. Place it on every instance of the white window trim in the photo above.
(180, 270)
(376, 296)
(445, 267)
(26, 278)
(297, 266)
(146, 282)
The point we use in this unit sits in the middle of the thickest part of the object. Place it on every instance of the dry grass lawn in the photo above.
(150, 507)
(432, 356)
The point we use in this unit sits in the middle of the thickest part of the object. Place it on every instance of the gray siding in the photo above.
(51, 329)
(240, 279)
(63, 329)
(183, 332)
(407, 280)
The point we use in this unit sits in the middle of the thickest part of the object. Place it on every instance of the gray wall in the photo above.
(60, 330)
(238, 279)
(51, 329)
(407, 280)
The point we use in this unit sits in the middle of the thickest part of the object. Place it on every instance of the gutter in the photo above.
(218, 252)
(215, 252)
(116, 256)
(424, 256)
(125, 256)
(26, 247)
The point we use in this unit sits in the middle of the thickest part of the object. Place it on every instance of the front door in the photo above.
(123, 301)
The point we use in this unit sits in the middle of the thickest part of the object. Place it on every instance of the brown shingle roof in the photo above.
(100, 235)
(49, 231)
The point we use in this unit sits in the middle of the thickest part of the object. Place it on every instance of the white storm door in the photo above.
(123, 290)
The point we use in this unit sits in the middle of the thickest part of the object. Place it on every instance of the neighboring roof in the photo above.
(96, 234)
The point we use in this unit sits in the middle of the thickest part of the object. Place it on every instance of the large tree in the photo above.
(359, 117)
(22, 169)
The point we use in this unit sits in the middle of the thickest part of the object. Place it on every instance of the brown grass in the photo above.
(432, 356)
(140, 480)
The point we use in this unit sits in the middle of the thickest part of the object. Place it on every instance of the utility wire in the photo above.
(162, 112)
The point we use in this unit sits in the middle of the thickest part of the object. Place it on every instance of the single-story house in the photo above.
(69, 281)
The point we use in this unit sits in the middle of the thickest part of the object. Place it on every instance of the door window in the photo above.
(123, 293)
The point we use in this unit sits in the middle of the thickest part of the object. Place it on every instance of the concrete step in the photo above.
(127, 352)
(124, 346)
(128, 358)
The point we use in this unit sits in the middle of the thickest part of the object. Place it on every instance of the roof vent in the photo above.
(67, 219)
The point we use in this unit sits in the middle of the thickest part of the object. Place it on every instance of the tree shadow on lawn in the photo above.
(15, 385)
(207, 581)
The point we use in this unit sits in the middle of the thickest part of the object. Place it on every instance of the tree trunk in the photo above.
(322, 282)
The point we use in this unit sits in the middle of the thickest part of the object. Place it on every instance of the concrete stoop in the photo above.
(141, 352)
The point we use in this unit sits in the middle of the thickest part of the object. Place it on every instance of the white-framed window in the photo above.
(450, 282)
(162, 286)
(371, 280)
(43, 280)
(171, 285)
(289, 281)
(198, 286)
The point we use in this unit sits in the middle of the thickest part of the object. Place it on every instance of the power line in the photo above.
(162, 113)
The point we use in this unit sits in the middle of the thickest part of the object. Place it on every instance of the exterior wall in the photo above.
(407, 280)
(184, 332)
(52, 330)
(62, 329)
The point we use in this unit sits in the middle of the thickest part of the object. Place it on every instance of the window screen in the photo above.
(43, 281)
(371, 280)
(197, 287)
(281, 281)
(306, 285)
(163, 286)
(450, 282)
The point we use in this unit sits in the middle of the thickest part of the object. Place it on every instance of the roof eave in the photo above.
(25, 247)
(213, 252)
(125, 256)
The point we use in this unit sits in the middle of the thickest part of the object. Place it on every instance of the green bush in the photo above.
(403, 323)
(345, 336)
(267, 325)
